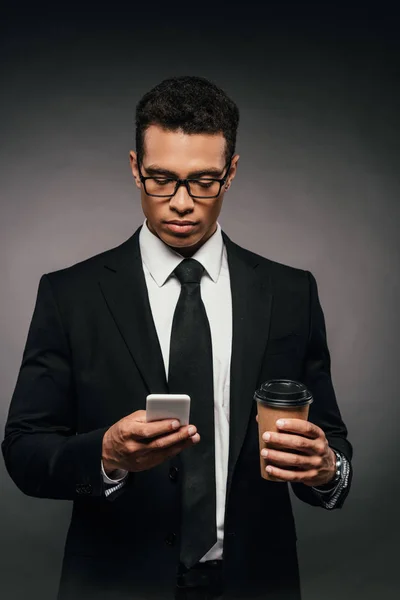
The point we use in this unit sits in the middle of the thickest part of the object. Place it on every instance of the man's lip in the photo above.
(181, 222)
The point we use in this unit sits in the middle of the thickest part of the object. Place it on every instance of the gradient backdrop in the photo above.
(317, 188)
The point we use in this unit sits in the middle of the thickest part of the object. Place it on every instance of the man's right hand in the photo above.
(135, 445)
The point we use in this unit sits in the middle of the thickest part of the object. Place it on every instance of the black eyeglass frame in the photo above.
(185, 182)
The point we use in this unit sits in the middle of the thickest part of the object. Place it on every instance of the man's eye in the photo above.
(204, 183)
(162, 181)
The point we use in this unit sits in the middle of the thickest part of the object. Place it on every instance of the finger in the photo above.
(288, 475)
(167, 441)
(301, 426)
(176, 448)
(142, 430)
(292, 442)
(150, 456)
(159, 455)
(288, 460)
(139, 415)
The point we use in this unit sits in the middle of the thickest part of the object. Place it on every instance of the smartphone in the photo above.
(168, 406)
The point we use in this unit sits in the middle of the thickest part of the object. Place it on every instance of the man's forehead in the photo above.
(161, 145)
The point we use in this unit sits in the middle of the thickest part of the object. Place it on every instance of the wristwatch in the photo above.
(330, 486)
(338, 467)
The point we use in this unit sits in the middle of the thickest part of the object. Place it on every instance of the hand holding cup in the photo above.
(302, 454)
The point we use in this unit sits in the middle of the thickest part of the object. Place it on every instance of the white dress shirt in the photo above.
(159, 262)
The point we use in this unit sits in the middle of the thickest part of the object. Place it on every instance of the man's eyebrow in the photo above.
(157, 170)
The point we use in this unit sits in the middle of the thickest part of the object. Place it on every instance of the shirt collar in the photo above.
(161, 260)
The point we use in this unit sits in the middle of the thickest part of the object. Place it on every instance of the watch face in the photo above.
(338, 465)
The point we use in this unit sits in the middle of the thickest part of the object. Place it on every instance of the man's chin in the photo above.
(180, 239)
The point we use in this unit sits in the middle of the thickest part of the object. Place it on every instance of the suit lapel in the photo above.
(251, 308)
(124, 288)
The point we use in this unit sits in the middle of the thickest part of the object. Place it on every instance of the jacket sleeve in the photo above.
(43, 453)
(324, 410)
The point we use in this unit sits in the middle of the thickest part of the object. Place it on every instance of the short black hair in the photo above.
(190, 104)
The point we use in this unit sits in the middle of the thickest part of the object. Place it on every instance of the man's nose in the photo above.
(182, 201)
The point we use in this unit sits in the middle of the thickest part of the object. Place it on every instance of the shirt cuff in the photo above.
(118, 475)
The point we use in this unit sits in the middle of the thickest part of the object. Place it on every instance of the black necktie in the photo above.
(191, 372)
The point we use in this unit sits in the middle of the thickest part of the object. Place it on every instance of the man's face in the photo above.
(182, 156)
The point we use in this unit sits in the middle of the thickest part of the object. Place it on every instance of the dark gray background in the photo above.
(317, 188)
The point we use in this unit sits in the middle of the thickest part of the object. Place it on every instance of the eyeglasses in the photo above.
(166, 187)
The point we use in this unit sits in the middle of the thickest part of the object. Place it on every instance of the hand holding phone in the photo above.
(134, 444)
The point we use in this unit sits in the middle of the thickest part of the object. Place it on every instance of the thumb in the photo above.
(139, 415)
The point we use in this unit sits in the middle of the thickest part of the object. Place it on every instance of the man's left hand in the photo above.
(299, 452)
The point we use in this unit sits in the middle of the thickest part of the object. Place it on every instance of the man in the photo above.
(161, 511)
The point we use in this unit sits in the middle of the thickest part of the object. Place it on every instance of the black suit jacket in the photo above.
(91, 357)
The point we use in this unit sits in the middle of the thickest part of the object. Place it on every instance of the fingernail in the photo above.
(196, 438)
(191, 430)
(280, 423)
(175, 424)
(266, 437)
(264, 452)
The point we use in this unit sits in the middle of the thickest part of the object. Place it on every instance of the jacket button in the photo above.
(82, 488)
(170, 539)
(173, 473)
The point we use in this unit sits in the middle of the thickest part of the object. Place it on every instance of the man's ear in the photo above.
(232, 171)
(134, 167)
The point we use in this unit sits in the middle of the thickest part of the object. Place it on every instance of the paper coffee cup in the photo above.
(279, 398)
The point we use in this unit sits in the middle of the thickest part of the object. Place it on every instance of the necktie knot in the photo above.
(189, 271)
